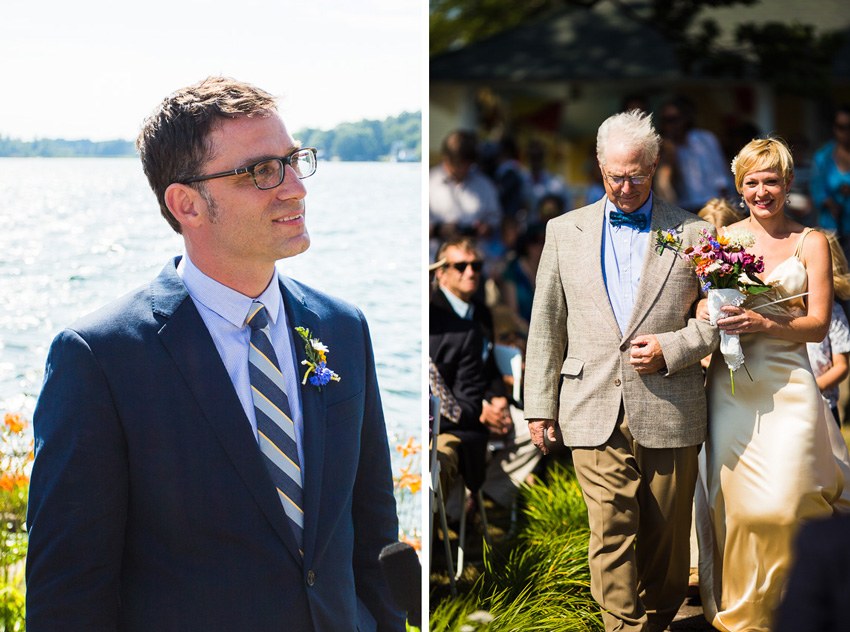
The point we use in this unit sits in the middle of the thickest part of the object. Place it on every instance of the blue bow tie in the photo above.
(635, 220)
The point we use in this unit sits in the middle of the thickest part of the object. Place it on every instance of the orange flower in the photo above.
(21, 480)
(413, 482)
(14, 422)
(409, 448)
(7, 482)
(416, 543)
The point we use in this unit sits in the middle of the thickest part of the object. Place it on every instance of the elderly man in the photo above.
(185, 477)
(613, 358)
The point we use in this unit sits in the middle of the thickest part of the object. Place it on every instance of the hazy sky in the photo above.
(95, 68)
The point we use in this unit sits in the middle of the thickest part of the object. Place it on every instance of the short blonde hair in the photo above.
(840, 269)
(763, 154)
(718, 212)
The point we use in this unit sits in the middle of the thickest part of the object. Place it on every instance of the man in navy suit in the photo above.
(151, 505)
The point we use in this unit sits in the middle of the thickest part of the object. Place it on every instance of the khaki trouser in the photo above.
(639, 505)
(448, 447)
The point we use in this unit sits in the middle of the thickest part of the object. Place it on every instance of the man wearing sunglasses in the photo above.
(613, 359)
(459, 281)
(186, 477)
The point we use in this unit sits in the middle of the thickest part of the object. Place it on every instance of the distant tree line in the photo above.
(60, 148)
(394, 138)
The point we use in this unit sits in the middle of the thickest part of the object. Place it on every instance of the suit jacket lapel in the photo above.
(313, 410)
(590, 247)
(656, 268)
(188, 341)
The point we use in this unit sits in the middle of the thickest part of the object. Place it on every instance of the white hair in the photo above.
(634, 130)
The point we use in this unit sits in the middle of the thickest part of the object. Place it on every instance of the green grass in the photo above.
(538, 581)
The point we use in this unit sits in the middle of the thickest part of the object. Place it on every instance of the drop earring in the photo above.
(741, 203)
(788, 198)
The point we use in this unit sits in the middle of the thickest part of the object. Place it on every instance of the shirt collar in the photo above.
(645, 209)
(460, 306)
(231, 305)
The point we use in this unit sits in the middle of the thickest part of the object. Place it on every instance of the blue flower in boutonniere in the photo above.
(668, 240)
(317, 361)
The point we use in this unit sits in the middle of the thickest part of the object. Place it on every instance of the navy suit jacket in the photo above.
(150, 507)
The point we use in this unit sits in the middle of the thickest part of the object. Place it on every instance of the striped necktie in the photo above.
(274, 420)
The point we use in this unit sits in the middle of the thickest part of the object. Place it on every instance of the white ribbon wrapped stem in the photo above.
(730, 345)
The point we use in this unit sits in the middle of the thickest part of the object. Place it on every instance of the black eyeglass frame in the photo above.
(285, 160)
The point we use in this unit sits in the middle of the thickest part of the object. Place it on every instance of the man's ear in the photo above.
(184, 203)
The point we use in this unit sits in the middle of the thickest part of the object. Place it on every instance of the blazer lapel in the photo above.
(656, 268)
(590, 245)
(313, 410)
(188, 341)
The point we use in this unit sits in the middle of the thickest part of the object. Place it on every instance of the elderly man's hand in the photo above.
(496, 415)
(646, 355)
(540, 428)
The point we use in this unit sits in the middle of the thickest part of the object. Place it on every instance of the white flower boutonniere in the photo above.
(316, 361)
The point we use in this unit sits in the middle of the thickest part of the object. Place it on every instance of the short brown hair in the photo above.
(467, 244)
(173, 143)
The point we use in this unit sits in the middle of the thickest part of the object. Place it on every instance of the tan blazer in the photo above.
(574, 342)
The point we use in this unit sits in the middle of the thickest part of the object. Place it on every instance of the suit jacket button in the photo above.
(311, 578)
(617, 382)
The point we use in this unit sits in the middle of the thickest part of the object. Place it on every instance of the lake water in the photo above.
(80, 232)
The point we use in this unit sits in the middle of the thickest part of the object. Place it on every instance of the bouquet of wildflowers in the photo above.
(723, 262)
(727, 272)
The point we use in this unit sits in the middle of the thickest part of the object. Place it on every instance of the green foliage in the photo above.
(12, 603)
(555, 508)
(60, 148)
(15, 454)
(368, 140)
(793, 56)
(544, 582)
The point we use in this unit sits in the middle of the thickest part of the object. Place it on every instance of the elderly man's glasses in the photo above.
(619, 181)
(460, 266)
(268, 173)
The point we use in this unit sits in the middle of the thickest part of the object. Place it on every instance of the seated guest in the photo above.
(461, 198)
(456, 375)
(458, 283)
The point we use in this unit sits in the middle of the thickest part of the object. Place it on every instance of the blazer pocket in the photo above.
(572, 367)
(346, 409)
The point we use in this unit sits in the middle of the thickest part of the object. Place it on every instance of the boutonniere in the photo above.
(316, 361)
(668, 240)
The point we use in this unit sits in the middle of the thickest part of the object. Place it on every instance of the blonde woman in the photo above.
(774, 457)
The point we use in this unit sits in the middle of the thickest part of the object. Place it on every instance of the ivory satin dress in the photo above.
(774, 458)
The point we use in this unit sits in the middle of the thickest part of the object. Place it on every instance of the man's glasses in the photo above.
(460, 266)
(619, 181)
(268, 173)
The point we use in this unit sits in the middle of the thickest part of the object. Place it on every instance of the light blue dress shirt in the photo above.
(623, 252)
(224, 312)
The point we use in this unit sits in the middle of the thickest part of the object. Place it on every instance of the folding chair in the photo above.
(435, 497)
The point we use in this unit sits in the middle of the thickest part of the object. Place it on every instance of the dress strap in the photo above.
(798, 253)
